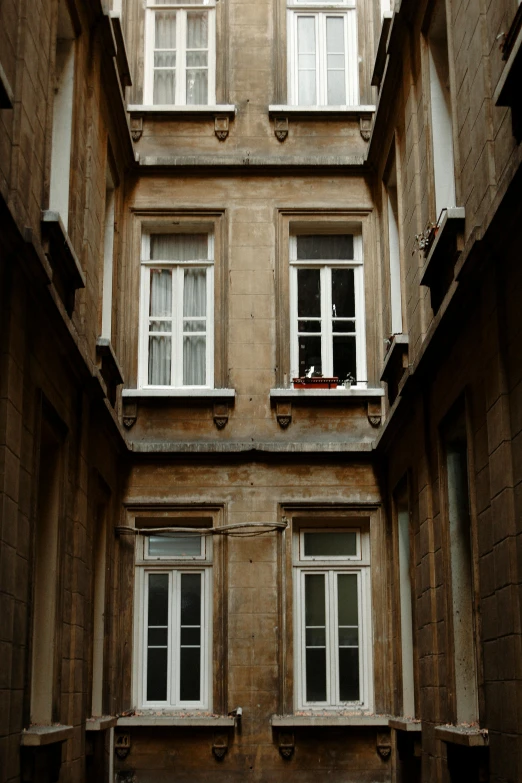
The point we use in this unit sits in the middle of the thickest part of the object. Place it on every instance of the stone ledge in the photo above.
(38, 736)
(239, 447)
(176, 721)
(450, 226)
(409, 725)
(320, 112)
(101, 724)
(167, 112)
(339, 393)
(382, 46)
(109, 362)
(469, 736)
(188, 394)
(328, 721)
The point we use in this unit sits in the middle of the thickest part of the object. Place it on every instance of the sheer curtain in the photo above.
(197, 58)
(190, 353)
(165, 58)
(306, 58)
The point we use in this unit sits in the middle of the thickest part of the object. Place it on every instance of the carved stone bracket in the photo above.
(220, 746)
(384, 745)
(284, 414)
(286, 745)
(374, 413)
(122, 745)
(130, 414)
(136, 127)
(221, 413)
(365, 126)
(221, 127)
(281, 128)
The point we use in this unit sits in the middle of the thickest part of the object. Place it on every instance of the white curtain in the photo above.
(336, 67)
(307, 91)
(165, 58)
(194, 327)
(160, 321)
(197, 58)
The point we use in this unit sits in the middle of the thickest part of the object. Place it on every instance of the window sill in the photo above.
(469, 736)
(110, 367)
(395, 356)
(181, 112)
(6, 91)
(382, 46)
(339, 393)
(174, 721)
(122, 60)
(452, 223)
(166, 394)
(328, 721)
(507, 91)
(68, 275)
(410, 725)
(320, 112)
(101, 724)
(38, 736)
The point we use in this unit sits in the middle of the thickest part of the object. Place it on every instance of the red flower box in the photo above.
(315, 383)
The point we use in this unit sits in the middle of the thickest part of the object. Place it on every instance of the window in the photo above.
(402, 521)
(327, 306)
(394, 251)
(108, 252)
(62, 116)
(174, 620)
(441, 122)
(332, 623)
(176, 341)
(180, 53)
(322, 53)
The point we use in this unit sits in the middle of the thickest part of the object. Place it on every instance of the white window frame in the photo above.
(314, 558)
(181, 27)
(174, 567)
(326, 307)
(331, 567)
(177, 268)
(320, 11)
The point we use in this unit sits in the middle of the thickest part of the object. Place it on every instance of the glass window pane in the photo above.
(191, 637)
(157, 674)
(164, 88)
(194, 361)
(157, 649)
(344, 357)
(309, 355)
(165, 60)
(160, 326)
(190, 674)
(315, 627)
(160, 352)
(197, 30)
(343, 293)
(308, 326)
(306, 61)
(195, 293)
(349, 674)
(337, 247)
(347, 602)
(158, 637)
(335, 48)
(315, 637)
(191, 599)
(315, 674)
(348, 637)
(315, 612)
(197, 87)
(175, 545)
(309, 293)
(158, 599)
(179, 247)
(160, 303)
(330, 544)
(165, 29)
(194, 326)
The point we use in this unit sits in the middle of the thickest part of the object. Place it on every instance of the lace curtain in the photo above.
(170, 64)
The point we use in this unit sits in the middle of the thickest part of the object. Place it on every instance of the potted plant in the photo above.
(315, 380)
(347, 383)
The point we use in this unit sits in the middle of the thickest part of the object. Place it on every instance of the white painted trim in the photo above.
(394, 261)
(62, 129)
(108, 258)
(441, 127)
(405, 588)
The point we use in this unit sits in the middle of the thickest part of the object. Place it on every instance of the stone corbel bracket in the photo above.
(281, 128)
(122, 745)
(130, 414)
(383, 745)
(221, 414)
(220, 746)
(221, 127)
(374, 413)
(365, 126)
(136, 128)
(286, 745)
(284, 414)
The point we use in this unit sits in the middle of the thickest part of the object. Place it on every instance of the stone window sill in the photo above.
(394, 356)
(328, 721)
(382, 47)
(445, 250)
(101, 724)
(409, 725)
(122, 59)
(181, 112)
(6, 91)
(38, 736)
(68, 274)
(109, 365)
(339, 393)
(183, 394)
(192, 722)
(469, 736)
(320, 112)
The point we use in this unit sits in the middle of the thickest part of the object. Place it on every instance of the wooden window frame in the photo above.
(180, 9)
(347, 9)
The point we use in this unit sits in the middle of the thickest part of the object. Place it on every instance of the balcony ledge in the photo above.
(101, 724)
(174, 721)
(469, 736)
(409, 725)
(320, 112)
(178, 394)
(328, 721)
(451, 226)
(326, 394)
(397, 350)
(38, 736)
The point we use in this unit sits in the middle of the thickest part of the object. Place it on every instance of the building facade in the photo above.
(260, 391)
